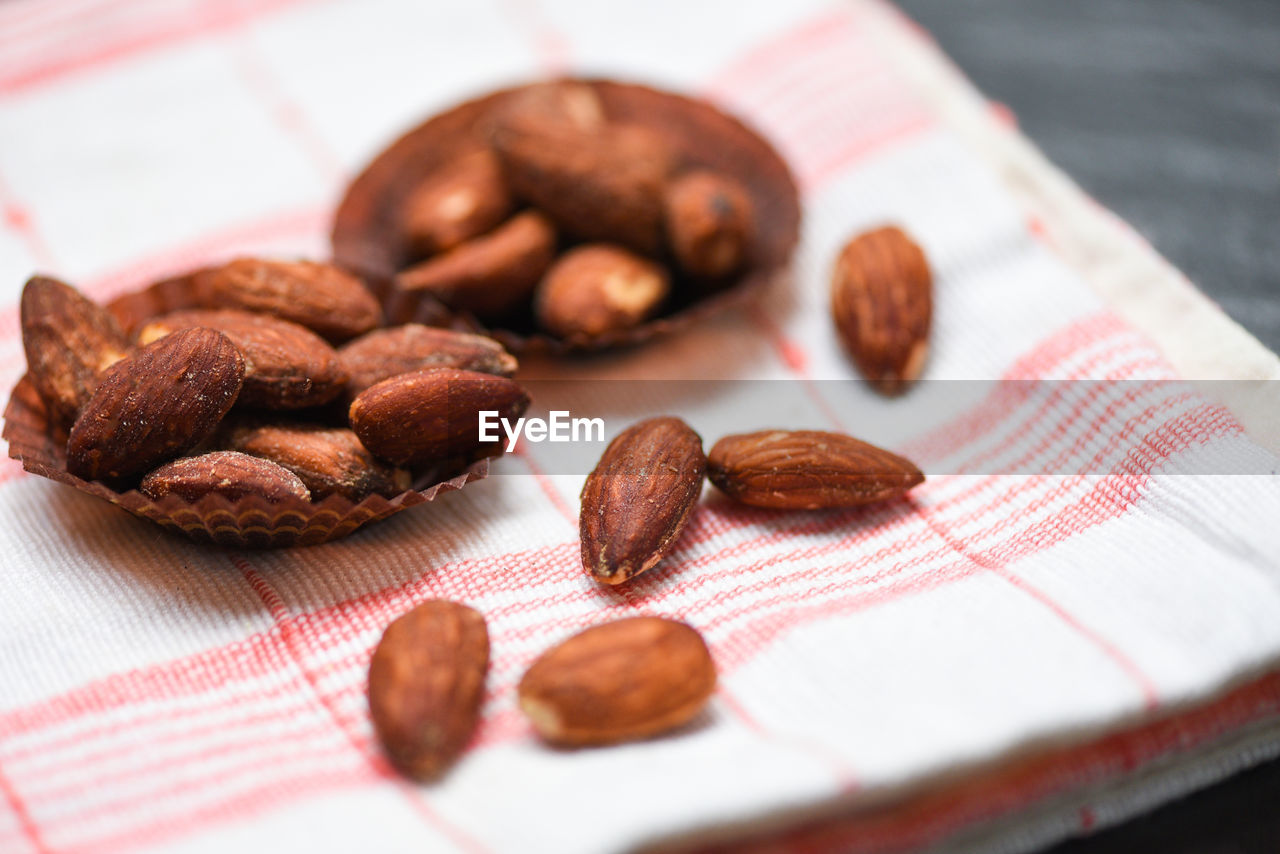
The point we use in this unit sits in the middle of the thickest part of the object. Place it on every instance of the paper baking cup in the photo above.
(367, 240)
(251, 522)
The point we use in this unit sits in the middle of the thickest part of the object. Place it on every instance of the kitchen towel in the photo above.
(1075, 618)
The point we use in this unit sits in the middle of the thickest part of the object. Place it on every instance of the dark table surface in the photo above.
(1167, 112)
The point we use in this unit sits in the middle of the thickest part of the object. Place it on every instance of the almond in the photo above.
(597, 289)
(287, 366)
(426, 681)
(464, 200)
(328, 460)
(69, 341)
(604, 184)
(156, 403)
(321, 297)
(383, 353)
(566, 103)
(226, 473)
(882, 304)
(709, 223)
(425, 416)
(639, 497)
(489, 276)
(629, 679)
(807, 470)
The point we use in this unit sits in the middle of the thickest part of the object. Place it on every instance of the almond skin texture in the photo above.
(557, 102)
(807, 470)
(328, 460)
(464, 200)
(426, 681)
(384, 353)
(604, 184)
(596, 289)
(709, 220)
(287, 366)
(639, 497)
(489, 276)
(156, 403)
(326, 300)
(69, 341)
(431, 415)
(621, 681)
(226, 473)
(882, 305)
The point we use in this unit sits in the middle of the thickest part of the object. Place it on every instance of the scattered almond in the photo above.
(882, 303)
(639, 497)
(807, 470)
(426, 681)
(626, 680)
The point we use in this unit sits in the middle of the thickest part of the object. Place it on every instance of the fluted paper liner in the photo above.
(251, 522)
(368, 241)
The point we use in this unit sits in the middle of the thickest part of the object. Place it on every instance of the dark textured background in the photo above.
(1167, 112)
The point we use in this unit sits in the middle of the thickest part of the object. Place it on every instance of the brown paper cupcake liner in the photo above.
(367, 240)
(251, 522)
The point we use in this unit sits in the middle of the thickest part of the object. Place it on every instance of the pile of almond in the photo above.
(545, 213)
(275, 382)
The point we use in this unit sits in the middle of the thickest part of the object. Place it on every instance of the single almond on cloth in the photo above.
(226, 473)
(287, 366)
(604, 184)
(328, 460)
(709, 222)
(321, 297)
(598, 288)
(425, 416)
(489, 276)
(158, 402)
(69, 341)
(639, 497)
(463, 200)
(426, 681)
(882, 305)
(620, 681)
(384, 353)
(807, 470)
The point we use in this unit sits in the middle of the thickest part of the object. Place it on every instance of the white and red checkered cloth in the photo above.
(994, 664)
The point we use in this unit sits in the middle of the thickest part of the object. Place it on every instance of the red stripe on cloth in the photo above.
(547, 486)
(160, 31)
(19, 220)
(30, 832)
(1005, 789)
(551, 47)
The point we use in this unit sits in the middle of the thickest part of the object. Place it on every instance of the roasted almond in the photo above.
(383, 353)
(489, 276)
(807, 470)
(639, 497)
(596, 289)
(604, 184)
(226, 473)
(431, 415)
(328, 460)
(882, 305)
(426, 681)
(156, 403)
(709, 223)
(287, 366)
(321, 297)
(566, 103)
(629, 679)
(463, 200)
(69, 341)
